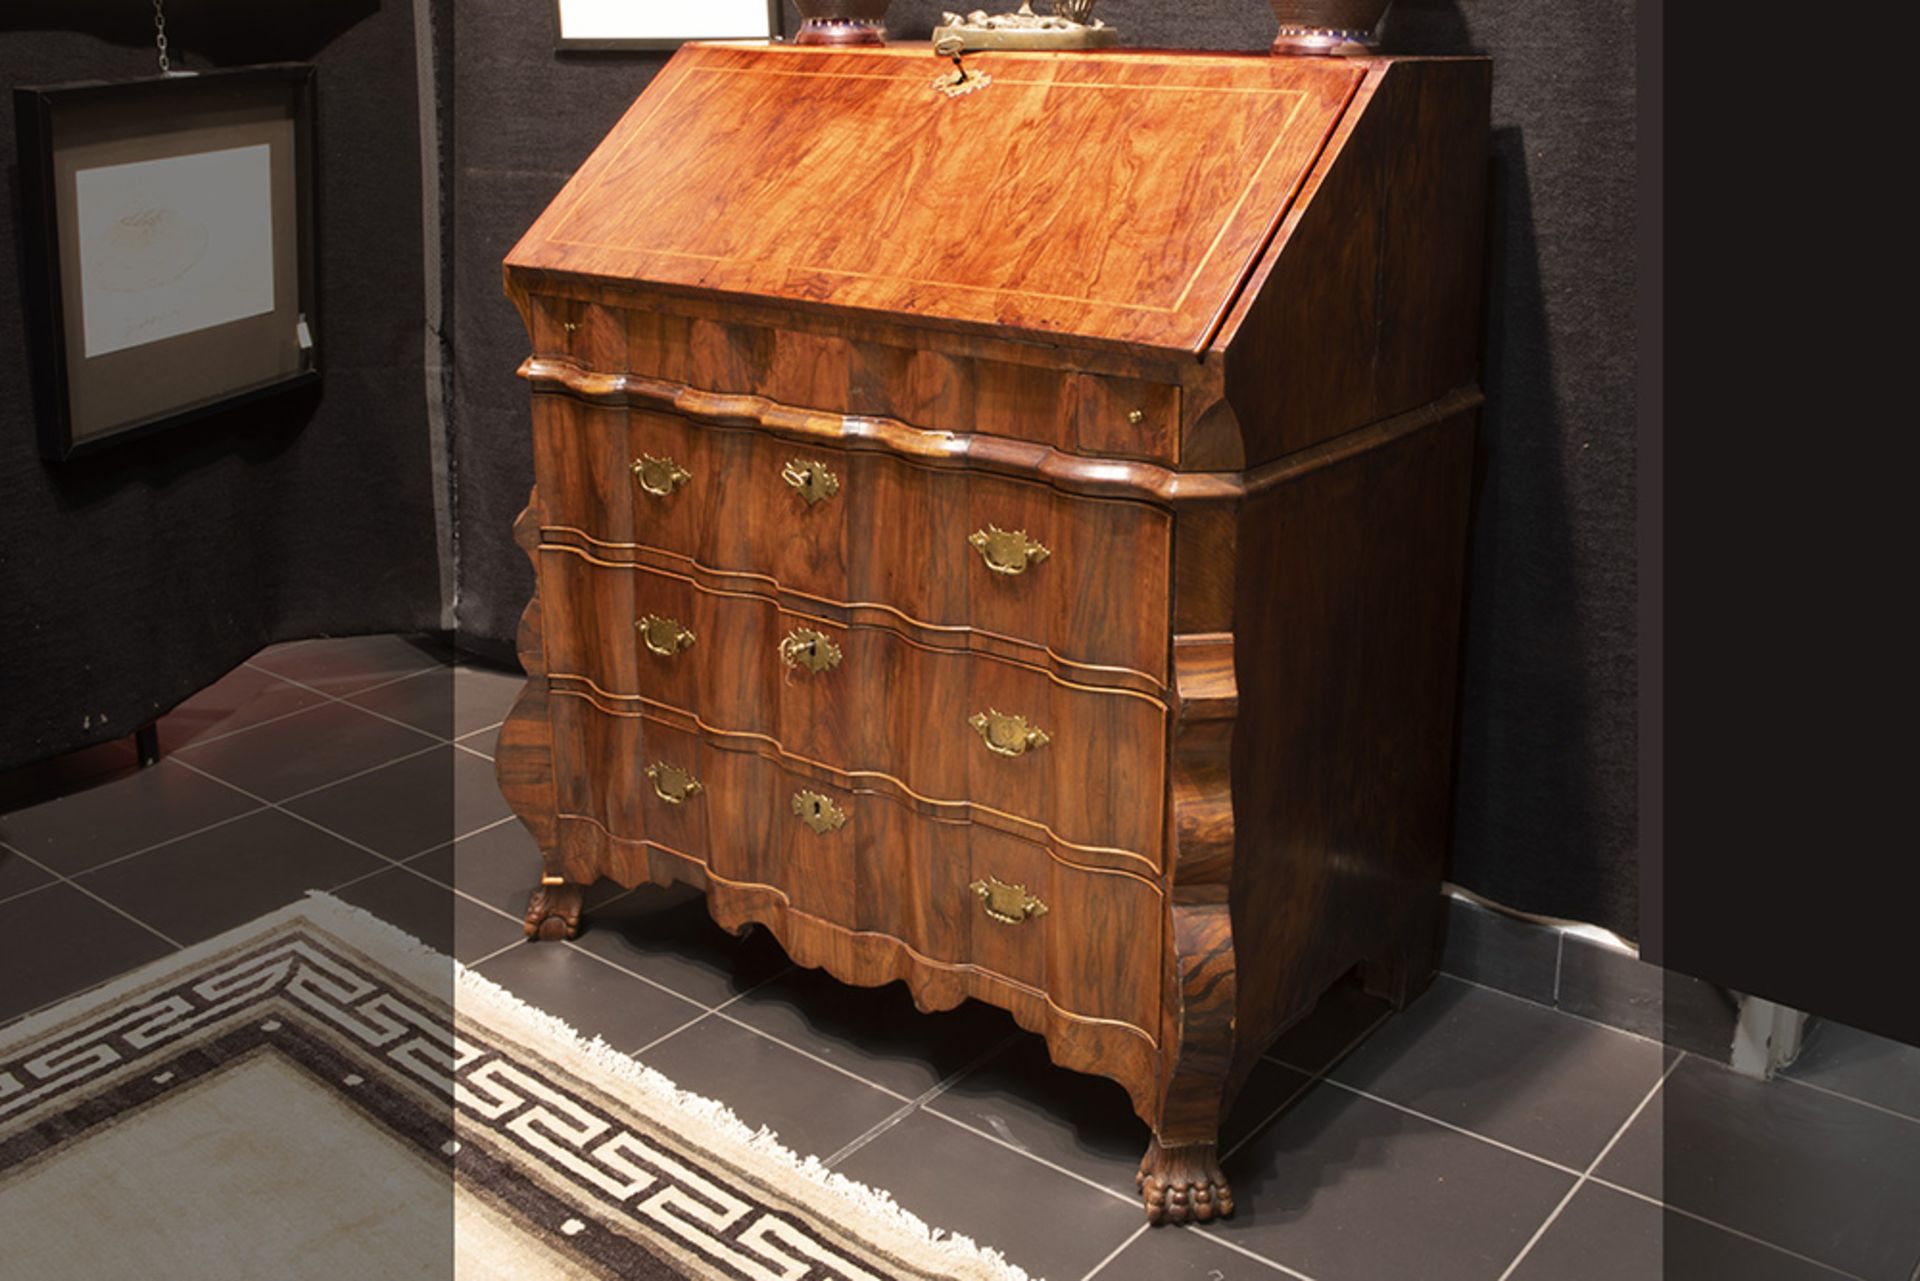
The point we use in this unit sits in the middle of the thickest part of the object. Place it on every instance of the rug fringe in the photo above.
(948, 1248)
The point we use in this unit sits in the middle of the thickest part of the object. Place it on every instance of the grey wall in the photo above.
(1546, 794)
(133, 579)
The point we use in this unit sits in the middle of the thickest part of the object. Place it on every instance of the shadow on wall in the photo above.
(1528, 759)
(220, 32)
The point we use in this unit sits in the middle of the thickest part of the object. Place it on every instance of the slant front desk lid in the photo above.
(1107, 197)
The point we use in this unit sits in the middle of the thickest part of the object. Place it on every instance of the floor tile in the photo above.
(596, 999)
(1555, 1086)
(1049, 1223)
(499, 866)
(815, 1110)
(197, 887)
(423, 700)
(308, 750)
(346, 665)
(245, 696)
(1861, 1066)
(1501, 952)
(434, 914)
(483, 695)
(1821, 1176)
(17, 875)
(58, 941)
(1084, 1123)
(447, 702)
(1346, 1189)
(486, 741)
(668, 936)
(1182, 1254)
(412, 805)
(120, 813)
(1605, 1235)
(875, 1033)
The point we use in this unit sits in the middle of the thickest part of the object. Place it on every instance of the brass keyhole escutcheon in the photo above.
(664, 636)
(1007, 552)
(1008, 904)
(1008, 735)
(819, 812)
(811, 650)
(659, 476)
(811, 480)
(673, 784)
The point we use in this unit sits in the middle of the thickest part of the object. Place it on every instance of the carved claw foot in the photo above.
(554, 912)
(1183, 1184)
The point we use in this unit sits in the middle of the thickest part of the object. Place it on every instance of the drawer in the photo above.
(958, 895)
(1082, 578)
(1072, 410)
(1084, 766)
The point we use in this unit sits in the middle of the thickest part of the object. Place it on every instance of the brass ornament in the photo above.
(664, 636)
(1008, 735)
(1007, 552)
(659, 476)
(811, 480)
(819, 812)
(673, 784)
(811, 650)
(1008, 904)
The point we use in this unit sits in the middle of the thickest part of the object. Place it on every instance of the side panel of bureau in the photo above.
(1348, 623)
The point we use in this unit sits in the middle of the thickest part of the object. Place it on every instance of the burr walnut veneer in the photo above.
(1012, 543)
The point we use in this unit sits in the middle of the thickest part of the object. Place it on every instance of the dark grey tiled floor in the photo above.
(1478, 1136)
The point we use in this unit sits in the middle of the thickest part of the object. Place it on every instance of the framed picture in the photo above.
(661, 24)
(168, 248)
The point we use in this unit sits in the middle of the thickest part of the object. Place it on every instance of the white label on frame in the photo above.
(663, 20)
(173, 246)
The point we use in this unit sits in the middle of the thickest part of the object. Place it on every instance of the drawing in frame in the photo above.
(661, 24)
(167, 248)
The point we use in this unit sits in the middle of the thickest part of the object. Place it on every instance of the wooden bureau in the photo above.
(1013, 542)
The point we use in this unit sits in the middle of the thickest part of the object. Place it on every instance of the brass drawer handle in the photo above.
(664, 636)
(810, 649)
(1007, 553)
(1008, 735)
(819, 812)
(659, 476)
(1008, 904)
(811, 480)
(673, 784)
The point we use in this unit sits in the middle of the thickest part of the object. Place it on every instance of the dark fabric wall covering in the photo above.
(131, 580)
(525, 117)
(1546, 807)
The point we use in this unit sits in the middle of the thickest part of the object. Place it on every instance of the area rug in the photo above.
(317, 1095)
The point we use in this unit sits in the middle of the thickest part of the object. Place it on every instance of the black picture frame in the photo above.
(88, 401)
(602, 45)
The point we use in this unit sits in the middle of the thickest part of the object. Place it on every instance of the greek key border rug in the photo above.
(316, 1094)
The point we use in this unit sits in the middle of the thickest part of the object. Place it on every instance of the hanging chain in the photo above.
(160, 35)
